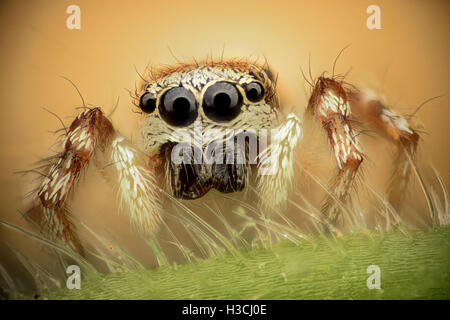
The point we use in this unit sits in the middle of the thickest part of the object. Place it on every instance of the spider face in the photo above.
(214, 102)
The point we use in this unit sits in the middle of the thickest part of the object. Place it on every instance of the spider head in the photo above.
(197, 112)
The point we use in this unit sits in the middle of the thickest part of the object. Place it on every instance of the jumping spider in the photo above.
(223, 95)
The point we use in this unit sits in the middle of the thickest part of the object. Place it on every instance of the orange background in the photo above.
(407, 61)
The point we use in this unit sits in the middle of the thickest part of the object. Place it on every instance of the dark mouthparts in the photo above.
(225, 172)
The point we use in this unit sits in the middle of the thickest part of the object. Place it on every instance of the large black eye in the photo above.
(147, 103)
(178, 107)
(254, 91)
(222, 102)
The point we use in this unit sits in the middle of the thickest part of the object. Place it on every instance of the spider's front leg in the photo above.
(91, 137)
(329, 105)
(276, 165)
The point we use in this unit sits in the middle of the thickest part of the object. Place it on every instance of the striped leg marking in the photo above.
(329, 104)
(92, 136)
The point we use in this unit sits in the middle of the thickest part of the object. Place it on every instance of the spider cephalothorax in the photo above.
(232, 106)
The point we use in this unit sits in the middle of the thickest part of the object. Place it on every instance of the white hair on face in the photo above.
(273, 187)
(156, 132)
(136, 186)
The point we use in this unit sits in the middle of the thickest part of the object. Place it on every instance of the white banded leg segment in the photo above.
(348, 157)
(276, 163)
(89, 130)
(135, 184)
(329, 105)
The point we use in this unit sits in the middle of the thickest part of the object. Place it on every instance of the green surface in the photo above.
(412, 267)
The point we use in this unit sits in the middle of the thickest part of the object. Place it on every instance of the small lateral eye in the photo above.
(254, 91)
(147, 103)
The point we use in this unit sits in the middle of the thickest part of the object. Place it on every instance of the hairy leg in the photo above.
(91, 136)
(396, 128)
(275, 165)
(329, 105)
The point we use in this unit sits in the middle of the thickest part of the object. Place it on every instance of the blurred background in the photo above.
(407, 61)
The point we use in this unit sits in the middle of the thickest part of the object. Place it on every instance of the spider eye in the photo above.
(147, 103)
(178, 107)
(254, 91)
(222, 102)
